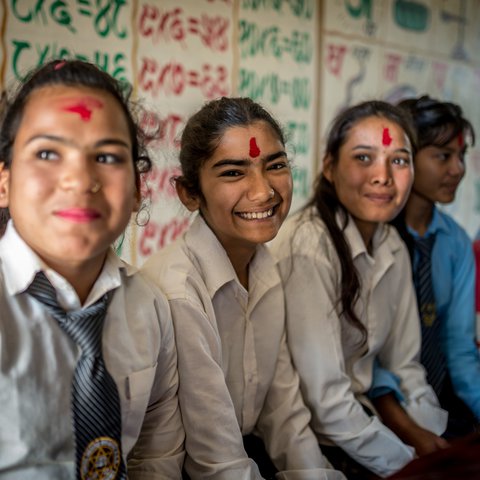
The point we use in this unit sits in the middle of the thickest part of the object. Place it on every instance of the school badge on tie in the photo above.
(101, 460)
(96, 408)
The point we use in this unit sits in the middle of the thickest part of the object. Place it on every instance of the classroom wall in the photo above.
(303, 59)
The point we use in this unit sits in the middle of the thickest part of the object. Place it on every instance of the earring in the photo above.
(96, 187)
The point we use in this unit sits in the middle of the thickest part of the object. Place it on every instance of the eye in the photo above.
(362, 157)
(46, 155)
(443, 156)
(401, 161)
(109, 158)
(231, 173)
(279, 165)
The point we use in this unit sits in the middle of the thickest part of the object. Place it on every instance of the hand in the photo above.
(425, 442)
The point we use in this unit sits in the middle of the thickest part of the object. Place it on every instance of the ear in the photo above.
(4, 186)
(191, 202)
(327, 168)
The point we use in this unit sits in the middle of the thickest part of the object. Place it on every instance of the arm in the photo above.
(214, 442)
(395, 418)
(315, 339)
(284, 426)
(159, 453)
(459, 332)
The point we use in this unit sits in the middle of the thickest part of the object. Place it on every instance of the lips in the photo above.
(380, 197)
(78, 215)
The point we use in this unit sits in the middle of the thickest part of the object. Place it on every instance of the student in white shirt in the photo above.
(349, 295)
(226, 298)
(73, 162)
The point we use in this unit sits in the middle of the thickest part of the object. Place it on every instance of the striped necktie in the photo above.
(432, 356)
(95, 400)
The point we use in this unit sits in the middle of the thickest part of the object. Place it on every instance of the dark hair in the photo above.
(437, 123)
(204, 131)
(327, 204)
(75, 73)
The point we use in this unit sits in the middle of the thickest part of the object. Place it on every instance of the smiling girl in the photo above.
(88, 362)
(225, 293)
(348, 289)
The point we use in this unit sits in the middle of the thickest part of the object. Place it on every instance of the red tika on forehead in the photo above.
(386, 138)
(84, 107)
(254, 150)
(461, 140)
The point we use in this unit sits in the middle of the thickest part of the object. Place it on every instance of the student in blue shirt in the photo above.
(443, 137)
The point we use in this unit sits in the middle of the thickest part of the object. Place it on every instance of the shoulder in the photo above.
(451, 229)
(170, 268)
(178, 273)
(304, 233)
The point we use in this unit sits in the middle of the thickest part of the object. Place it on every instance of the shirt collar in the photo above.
(354, 237)
(216, 266)
(437, 224)
(19, 264)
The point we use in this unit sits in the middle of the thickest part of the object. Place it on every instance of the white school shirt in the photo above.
(37, 361)
(334, 372)
(235, 370)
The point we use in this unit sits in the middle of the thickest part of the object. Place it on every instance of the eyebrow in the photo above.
(245, 161)
(66, 141)
(368, 147)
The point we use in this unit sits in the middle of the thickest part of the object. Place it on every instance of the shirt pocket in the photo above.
(138, 390)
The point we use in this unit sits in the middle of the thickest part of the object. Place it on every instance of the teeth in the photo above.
(256, 215)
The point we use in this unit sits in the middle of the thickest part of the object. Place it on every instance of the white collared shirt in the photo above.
(235, 370)
(37, 361)
(334, 372)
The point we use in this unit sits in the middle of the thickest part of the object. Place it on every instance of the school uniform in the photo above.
(37, 362)
(453, 278)
(236, 376)
(335, 371)
(453, 283)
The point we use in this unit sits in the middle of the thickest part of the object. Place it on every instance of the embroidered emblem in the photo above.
(101, 460)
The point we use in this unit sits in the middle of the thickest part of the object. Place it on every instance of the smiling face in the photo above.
(439, 171)
(373, 174)
(246, 187)
(71, 184)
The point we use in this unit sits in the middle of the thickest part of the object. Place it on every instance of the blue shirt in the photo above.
(453, 272)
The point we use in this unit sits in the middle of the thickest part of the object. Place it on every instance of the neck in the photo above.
(367, 230)
(240, 262)
(418, 213)
(81, 276)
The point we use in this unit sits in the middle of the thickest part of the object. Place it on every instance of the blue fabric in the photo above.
(385, 382)
(453, 272)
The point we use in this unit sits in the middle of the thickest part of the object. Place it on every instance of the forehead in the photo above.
(237, 140)
(75, 102)
(377, 131)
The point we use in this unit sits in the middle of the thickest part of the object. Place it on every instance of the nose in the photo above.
(382, 174)
(259, 188)
(456, 167)
(78, 175)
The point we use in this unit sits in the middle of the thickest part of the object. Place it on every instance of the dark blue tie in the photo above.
(95, 400)
(432, 356)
